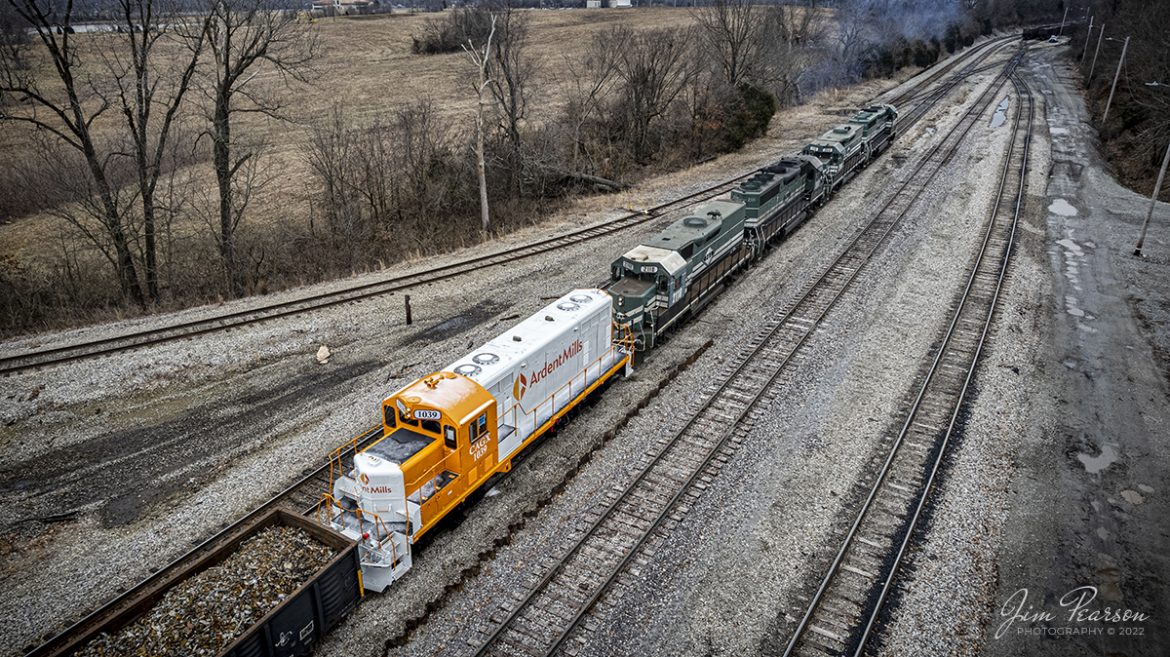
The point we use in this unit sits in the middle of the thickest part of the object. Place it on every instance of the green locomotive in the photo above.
(661, 280)
(674, 273)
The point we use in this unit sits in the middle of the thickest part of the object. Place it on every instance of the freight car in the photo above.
(446, 434)
(291, 628)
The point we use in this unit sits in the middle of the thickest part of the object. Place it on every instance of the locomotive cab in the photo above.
(645, 279)
(439, 438)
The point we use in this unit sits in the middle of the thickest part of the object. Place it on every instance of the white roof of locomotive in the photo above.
(535, 333)
(670, 260)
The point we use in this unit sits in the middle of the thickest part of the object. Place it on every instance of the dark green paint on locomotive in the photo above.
(655, 282)
(771, 195)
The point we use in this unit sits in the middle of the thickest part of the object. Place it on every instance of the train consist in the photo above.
(448, 433)
(671, 275)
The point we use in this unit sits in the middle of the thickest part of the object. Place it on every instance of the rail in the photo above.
(986, 278)
(82, 349)
(308, 486)
(542, 621)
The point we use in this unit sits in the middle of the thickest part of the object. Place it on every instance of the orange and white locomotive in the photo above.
(447, 433)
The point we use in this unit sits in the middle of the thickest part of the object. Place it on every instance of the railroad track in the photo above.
(146, 337)
(920, 89)
(552, 616)
(21, 361)
(302, 497)
(841, 616)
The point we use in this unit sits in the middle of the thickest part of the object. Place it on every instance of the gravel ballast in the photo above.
(1055, 481)
(740, 557)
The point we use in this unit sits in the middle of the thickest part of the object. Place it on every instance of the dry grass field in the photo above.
(366, 69)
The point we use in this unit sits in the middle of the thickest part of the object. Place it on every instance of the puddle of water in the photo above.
(1095, 464)
(1062, 208)
(1071, 246)
(1133, 497)
(1000, 115)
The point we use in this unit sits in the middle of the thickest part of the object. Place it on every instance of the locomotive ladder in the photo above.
(603, 544)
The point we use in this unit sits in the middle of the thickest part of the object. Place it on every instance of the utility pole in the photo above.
(1095, 53)
(1137, 251)
(1114, 87)
(1087, 35)
(1062, 21)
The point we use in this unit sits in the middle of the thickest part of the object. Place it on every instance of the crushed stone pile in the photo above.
(203, 614)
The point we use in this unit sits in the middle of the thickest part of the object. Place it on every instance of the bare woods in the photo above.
(150, 146)
(116, 119)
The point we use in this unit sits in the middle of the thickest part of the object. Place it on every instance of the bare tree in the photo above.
(732, 33)
(591, 80)
(331, 155)
(653, 68)
(481, 59)
(245, 37)
(794, 34)
(854, 18)
(509, 71)
(150, 94)
(68, 113)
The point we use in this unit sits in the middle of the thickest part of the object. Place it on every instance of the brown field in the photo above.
(367, 69)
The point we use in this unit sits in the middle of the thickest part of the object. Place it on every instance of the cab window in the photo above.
(391, 420)
(478, 428)
(431, 426)
(449, 437)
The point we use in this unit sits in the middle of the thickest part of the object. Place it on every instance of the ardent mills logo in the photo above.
(522, 383)
(520, 387)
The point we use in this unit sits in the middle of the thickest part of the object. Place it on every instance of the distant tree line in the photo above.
(129, 125)
(1137, 130)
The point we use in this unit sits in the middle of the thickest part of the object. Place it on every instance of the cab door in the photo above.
(482, 450)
